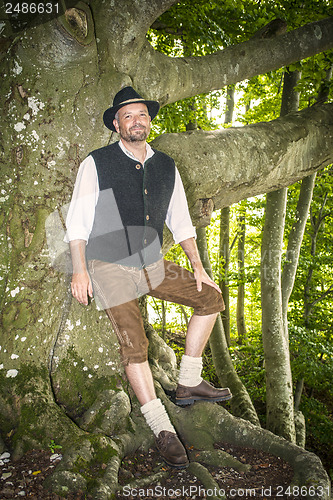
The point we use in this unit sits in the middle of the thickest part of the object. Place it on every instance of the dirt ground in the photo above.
(269, 478)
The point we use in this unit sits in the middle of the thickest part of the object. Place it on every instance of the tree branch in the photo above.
(177, 78)
(233, 164)
(158, 26)
(321, 296)
(123, 25)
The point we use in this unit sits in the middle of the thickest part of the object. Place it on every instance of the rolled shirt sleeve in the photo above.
(81, 213)
(178, 217)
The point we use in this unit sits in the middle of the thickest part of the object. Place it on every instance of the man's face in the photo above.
(133, 122)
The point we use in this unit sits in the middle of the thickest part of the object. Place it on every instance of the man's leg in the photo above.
(141, 380)
(140, 377)
(198, 333)
(180, 286)
(113, 283)
(191, 386)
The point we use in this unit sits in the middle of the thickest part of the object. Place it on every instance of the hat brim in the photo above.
(110, 114)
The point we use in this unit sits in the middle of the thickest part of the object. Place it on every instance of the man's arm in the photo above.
(81, 284)
(190, 248)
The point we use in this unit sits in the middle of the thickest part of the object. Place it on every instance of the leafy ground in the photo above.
(268, 478)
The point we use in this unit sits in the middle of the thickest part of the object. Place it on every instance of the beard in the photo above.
(134, 134)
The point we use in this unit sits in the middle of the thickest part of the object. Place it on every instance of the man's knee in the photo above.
(134, 353)
(211, 301)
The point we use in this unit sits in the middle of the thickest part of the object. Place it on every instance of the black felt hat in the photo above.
(125, 96)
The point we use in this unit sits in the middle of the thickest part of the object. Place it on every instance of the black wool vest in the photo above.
(132, 206)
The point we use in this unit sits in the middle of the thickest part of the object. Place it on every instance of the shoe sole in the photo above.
(190, 401)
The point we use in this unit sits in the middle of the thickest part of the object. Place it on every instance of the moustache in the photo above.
(138, 127)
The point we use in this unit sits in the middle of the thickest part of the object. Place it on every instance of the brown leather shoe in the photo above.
(171, 449)
(202, 392)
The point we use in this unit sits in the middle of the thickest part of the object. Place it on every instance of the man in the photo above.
(123, 195)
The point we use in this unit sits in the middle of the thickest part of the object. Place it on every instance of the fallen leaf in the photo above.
(6, 475)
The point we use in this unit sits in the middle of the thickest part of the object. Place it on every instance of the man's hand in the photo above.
(190, 248)
(81, 283)
(81, 287)
(202, 277)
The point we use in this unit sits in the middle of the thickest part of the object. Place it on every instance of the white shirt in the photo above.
(81, 213)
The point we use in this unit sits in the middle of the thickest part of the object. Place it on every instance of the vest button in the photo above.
(147, 217)
(145, 242)
(138, 166)
(146, 191)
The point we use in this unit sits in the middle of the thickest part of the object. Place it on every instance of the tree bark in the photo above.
(213, 166)
(197, 75)
(241, 326)
(279, 396)
(279, 386)
(225, 260)
(224, 253)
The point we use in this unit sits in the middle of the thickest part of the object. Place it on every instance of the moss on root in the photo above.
(30, 417)
(74, 389)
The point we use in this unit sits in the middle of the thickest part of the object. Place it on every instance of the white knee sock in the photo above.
(157, 417)
(190, 371)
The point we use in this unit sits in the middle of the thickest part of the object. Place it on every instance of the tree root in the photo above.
(206, 423)
(94, 449)
(108, 414)
(108, 485)
(205, 477)
(77, 470)
(149, 480)
(93, 462)
(218, 458)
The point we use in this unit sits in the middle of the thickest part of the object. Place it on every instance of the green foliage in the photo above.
(196, 110)
(198, 27)
(262, 97)
(312, 357)
(53, 446)
(314, 281)
(250, 365)
(319, 424)
(314, 71)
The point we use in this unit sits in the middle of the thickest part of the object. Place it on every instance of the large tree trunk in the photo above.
(279, 386)
(279, 394)
(240, 312)
(224, 230)
(224, 255)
